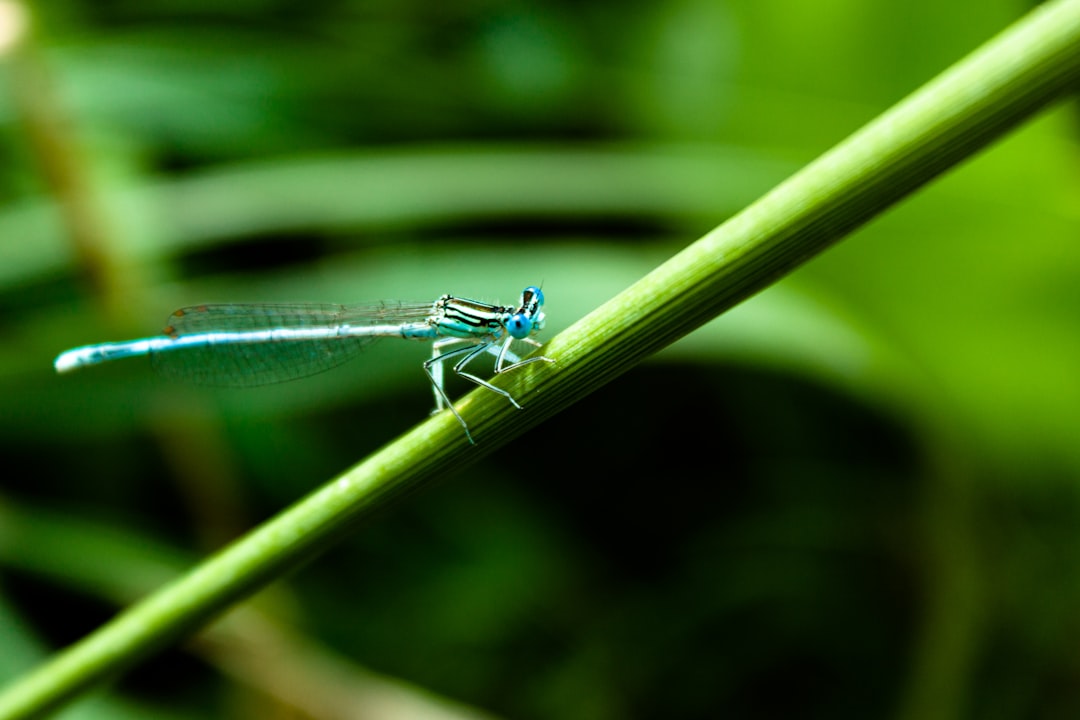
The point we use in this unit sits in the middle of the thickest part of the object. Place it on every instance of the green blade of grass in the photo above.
(978, 100)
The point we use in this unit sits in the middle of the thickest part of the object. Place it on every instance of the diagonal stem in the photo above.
(980, 99)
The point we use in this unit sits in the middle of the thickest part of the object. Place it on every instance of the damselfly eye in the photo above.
(535, 292)
(519, 326)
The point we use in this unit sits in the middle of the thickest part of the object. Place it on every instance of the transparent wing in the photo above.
(248, 345)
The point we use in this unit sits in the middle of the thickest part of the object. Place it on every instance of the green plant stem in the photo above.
(978, 100)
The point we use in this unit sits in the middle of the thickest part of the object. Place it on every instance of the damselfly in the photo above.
(247, 345)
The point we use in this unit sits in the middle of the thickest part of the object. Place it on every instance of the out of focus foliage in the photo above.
(855, 496)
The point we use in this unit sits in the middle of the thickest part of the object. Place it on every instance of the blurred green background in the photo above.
(853, 496)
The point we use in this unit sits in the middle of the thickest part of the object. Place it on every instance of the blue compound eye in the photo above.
(519, 326)
(536, 292)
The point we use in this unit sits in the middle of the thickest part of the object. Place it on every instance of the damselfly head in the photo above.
(528, 318)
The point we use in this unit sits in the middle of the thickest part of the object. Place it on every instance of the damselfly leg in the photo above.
(465, 355)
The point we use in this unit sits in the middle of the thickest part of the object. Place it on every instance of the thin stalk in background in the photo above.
(980, 99)
(60, 156)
